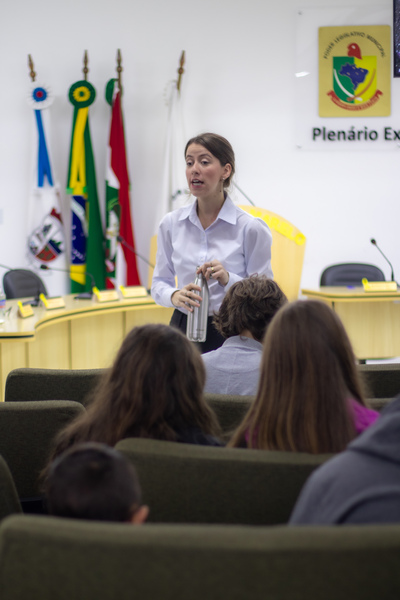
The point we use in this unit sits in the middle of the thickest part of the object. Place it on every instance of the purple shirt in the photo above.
(363, 416)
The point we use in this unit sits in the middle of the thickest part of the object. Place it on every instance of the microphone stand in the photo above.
(374, 243)
(122, 241)
(82, 295)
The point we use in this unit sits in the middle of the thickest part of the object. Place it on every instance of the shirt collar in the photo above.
(227, 212)
(238, 340)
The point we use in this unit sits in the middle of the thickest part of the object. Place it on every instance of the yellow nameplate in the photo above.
(25, 310)
(52, 303)
(105, 295)
(379, 286)
(134, 291)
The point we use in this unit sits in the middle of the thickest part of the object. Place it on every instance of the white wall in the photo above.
(239, 82)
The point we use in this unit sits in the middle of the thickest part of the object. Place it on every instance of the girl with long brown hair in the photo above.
(153, 390)
(310, 396)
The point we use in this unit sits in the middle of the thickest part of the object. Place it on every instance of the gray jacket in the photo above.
(361, 484)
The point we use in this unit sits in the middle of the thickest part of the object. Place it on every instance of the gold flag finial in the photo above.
(119, 68)
(32, 68)
(85, 65)
(181, 71)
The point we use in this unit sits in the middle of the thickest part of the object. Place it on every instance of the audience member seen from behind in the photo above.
(242, 320)
(153, 390)
(310, 397)
(96, 482)
(362, 484)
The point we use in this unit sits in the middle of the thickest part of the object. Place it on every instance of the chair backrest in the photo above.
(350, 274)
(27, 430)
(9, 501)
(62, 558)
(382, 380)
(230, 410)
(20, 283)
(382, 385)
(200, 484)
(288, 247)
(51, 384)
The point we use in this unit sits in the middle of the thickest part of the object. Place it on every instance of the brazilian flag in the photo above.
(87, 237)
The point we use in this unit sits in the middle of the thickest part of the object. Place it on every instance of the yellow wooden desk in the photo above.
(372, 320)
(85, 334)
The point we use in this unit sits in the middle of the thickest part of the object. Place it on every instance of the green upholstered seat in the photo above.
(230, 410)
(51, 384)
(62, 559)
(381, 380)
(27, 430)
(9, 501)
(185, 483)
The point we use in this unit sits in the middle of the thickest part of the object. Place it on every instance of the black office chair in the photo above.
(21, 283)
(345, 274)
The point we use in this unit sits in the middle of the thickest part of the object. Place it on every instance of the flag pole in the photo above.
(181, 71)
(32, 68)
(85, 69)
(119, 69)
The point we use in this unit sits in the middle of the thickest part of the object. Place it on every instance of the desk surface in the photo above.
(17, 327)
(350, 294)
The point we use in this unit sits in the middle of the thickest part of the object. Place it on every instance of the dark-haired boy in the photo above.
(96, 482)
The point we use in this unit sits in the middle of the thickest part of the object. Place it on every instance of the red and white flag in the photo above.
(119, 230)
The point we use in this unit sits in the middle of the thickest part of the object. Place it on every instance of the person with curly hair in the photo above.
(242, 321)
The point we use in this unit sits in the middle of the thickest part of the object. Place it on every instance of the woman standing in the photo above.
(211, 235)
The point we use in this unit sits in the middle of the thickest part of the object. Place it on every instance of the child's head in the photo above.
(96, 482)
(248, 306)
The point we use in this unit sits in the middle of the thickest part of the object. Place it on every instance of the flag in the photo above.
(46, 239)
(87, 238)
(175, 188)
(118, 208)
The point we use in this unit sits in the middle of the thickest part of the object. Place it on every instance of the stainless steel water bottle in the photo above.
(196, 329)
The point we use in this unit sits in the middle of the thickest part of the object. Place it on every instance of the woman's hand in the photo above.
(215, 270)
(187, 297)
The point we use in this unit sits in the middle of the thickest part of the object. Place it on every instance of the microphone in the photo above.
(83, 295)
(373, 242)
(123, 241)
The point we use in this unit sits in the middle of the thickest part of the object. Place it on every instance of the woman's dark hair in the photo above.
(153, 390)
(308, 376)
(219, 147)
(249, 304)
